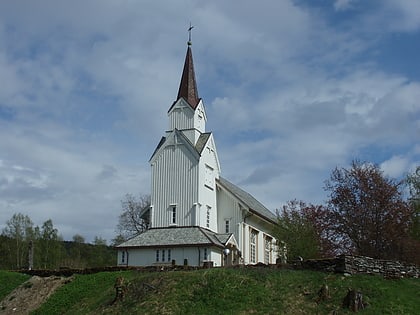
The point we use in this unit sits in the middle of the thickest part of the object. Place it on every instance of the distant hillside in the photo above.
(229, 291)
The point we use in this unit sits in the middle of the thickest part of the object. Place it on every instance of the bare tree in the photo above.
(134, 218)
(368, 210)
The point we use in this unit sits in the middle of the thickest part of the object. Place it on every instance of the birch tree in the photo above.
(20, 229)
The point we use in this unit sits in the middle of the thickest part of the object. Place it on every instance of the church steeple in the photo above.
(188, 86)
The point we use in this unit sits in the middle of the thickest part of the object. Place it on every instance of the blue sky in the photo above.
(292, 89)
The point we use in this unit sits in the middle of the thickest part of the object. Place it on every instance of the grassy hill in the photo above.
(227, 291)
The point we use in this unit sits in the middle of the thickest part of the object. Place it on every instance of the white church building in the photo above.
(196, 216)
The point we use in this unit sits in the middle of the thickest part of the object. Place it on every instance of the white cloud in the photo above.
(404, 15)
(289, 95)
(342, 5)
(396, 166)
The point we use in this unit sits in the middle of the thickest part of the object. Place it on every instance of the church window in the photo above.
(267, 250)
(227, 226)
(163, 255)
(208, 217)
(123, 256)
(157, 255)
(173, 214)
(208, 181)
(205, 254)
(169, 255)
(253, 246)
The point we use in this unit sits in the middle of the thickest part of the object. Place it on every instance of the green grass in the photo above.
(230, 291)
(85, 294)
(9, 281)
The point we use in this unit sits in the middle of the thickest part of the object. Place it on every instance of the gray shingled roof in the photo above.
(201, 142)
(253, 204)
(199, 146)
(177, 236)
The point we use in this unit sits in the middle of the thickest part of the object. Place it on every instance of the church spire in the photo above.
(188, 86)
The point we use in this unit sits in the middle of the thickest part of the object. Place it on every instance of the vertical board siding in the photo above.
(174, 181)
(228, 208)
(181, 117)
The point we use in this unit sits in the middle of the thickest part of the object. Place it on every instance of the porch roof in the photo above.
(177, 236)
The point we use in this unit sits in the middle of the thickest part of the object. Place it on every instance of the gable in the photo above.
(180, 104)
(207, 149)
(175, 138)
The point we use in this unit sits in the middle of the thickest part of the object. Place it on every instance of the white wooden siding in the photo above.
(147, 256)
(229, 208)
(181, 116)
(174, 182)
(208, 172)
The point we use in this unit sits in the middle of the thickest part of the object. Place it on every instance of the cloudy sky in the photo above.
(292, 89)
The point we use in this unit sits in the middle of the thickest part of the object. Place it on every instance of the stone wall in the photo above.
(363, 265)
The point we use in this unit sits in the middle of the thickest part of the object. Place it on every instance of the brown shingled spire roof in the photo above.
(188, 86)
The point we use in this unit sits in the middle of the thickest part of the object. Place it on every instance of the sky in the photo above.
(292, 89)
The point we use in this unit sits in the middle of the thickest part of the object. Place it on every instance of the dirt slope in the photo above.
(31, 294)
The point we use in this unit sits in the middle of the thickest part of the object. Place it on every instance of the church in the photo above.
(197, 217)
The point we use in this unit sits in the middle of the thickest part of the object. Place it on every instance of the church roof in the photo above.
(161, 142)
(201, 142)
(199, 146)
(177, 236)
(247, 199)
(188, 86)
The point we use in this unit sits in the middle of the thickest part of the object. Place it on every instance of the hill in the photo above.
(228, 291)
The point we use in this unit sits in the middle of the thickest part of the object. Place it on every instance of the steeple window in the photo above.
(173, 214)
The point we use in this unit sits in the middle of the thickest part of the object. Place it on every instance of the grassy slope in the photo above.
(9, 281)
(230, 291)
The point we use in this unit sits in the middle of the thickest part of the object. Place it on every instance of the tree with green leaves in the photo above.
(413, 183)
(295, 228)
(49, 246)
(20, 229)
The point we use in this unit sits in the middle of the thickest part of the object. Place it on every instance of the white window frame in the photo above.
(253, 241)
(227, 225)
(267, 249)
(173, 214)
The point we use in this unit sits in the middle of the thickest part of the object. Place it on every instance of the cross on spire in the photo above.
(189, 34)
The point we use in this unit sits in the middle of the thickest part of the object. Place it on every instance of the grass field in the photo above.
(230, 291)
(9, 281)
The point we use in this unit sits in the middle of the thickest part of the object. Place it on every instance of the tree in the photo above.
(367, 211)
(330, 244)
(77, 238)
(77, 251)
(99, 241)
(49, 245)
(297, 230)
(20, 229)
(413, 183)
(134, 218)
